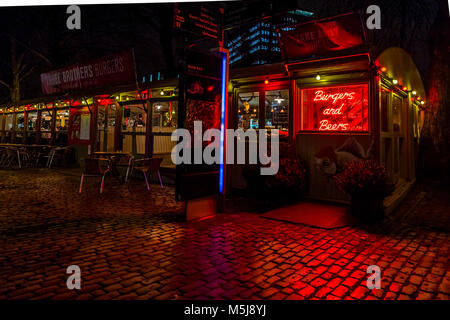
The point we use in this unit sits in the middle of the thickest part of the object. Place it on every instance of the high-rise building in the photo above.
(254, 39)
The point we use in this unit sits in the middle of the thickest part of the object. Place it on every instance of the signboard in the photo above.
(102, 72)
(198, 19)
(323, 37)
(200, 101)
(333, 109)
(79, 126)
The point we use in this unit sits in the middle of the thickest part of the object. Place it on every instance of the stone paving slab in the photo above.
(134, 244)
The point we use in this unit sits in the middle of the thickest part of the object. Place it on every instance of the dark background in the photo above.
(42, 41)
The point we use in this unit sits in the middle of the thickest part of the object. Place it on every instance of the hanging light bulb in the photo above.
(395, 81)
(266, 81)
(279, 98)
(318, 77)
(383, 69)
(162, 92)
(414, 92)
(422, 102)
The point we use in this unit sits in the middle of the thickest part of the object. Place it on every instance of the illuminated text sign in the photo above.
(343, 108)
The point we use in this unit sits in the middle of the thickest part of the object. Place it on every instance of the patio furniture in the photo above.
(93, 168)
(124, 161)
(147, 166)
(58, 151)
(11, 155)
(114, 158)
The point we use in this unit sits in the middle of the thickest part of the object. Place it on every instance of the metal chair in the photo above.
(125, 161)
(93, 168)
(146, 166)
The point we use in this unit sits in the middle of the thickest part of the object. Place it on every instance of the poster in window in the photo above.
(79, 126)
(336, 109)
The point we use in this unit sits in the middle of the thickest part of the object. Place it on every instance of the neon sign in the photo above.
(343, 108)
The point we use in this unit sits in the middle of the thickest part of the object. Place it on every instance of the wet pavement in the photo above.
(134, 244)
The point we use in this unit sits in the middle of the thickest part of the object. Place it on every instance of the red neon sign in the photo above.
(343, 108)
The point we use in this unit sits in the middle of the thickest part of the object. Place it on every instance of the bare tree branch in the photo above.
(5, 84)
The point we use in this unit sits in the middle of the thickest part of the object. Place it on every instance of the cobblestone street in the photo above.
(134, 244)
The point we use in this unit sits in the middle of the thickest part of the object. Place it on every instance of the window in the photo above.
(397, 113)
(134, 118)
(32, 120)
(334, 109)
(164, 116)
(20, 121)
(62, 120)
(9, 122)
(248, 110)
(46, 124)
(384, 110)
(277, 110)
(20, 124)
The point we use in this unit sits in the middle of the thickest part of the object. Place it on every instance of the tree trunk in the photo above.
(437, 115)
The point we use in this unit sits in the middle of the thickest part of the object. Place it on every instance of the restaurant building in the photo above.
(336, 103)
(125, 115)
(330, 97)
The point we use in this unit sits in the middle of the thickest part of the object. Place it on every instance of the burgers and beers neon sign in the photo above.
(338, 108)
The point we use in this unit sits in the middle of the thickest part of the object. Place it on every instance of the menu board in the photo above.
(201, 97)
(198, 19)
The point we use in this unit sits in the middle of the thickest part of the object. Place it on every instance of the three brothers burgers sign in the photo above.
(101, 72)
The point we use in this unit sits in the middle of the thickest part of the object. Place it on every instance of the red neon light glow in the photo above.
(343, 108)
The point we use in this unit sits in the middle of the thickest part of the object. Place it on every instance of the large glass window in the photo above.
(134, 119)
(32, 120)
(248, 110)
(332, 109)
(384, 110)
(62, 120)
(46, 124)
(9, 122)
(20, 117)
(110, 126)
(133, 125)
(397, 113)
(164, 116)
(277, 110)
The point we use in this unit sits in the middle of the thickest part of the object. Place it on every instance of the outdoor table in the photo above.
(30, 149)
(16, 147)
(114, 158)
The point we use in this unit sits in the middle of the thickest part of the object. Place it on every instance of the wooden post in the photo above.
(37, 137)
(94, 132)
(2, 127)
(25, 127)
(118, 141)
(53, 127)
(149, 138)
(13, 131)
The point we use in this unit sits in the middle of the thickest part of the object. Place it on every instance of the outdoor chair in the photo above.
(58, 151)
(125, 161)
(11, 156)
(147, 166)
(93, 168)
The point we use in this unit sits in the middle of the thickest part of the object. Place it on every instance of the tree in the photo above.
(20, 70)
(437, 115)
